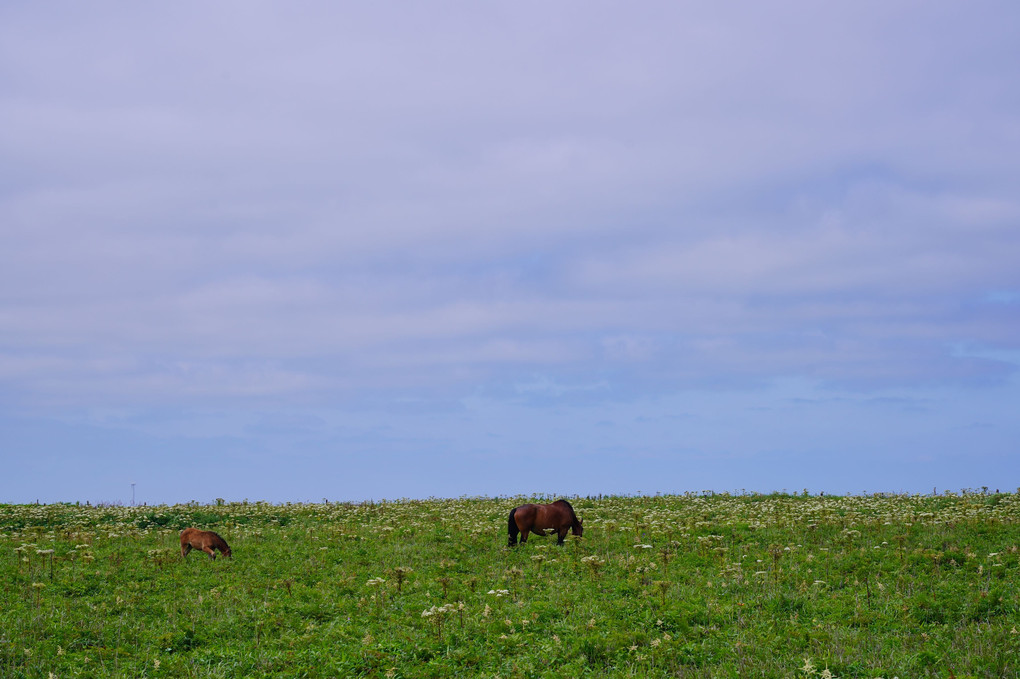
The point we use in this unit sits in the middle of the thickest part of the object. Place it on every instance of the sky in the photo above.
(349, 251)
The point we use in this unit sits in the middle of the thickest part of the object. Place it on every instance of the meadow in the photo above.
(696, 585)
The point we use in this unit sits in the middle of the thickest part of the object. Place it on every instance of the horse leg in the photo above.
(561, 534)
(210, 551)
(185, 548)
(524, 536)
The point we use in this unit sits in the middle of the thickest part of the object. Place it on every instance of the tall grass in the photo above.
(671, 586)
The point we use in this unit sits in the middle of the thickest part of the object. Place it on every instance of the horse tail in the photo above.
(512, 529)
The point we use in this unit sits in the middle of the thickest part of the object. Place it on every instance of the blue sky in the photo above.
(369, 251)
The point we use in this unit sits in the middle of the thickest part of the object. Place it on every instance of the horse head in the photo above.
(578, 528)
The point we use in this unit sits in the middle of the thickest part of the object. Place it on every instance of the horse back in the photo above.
(542, 516)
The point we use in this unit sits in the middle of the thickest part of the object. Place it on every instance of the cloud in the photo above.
(336, 202)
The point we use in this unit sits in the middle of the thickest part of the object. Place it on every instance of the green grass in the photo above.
(671, 586)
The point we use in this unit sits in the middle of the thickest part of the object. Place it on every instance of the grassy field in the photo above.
(685, 586)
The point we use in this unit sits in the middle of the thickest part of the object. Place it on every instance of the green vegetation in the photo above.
(677, 586)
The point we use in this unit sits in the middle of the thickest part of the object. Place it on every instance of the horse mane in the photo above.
(573, 514)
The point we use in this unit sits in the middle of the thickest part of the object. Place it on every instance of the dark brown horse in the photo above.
(558, 516)
(206, 540)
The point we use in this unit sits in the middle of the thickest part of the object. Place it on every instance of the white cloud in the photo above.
(669, 194)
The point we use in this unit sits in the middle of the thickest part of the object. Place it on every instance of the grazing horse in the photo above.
(206, 540)
(558, 516)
